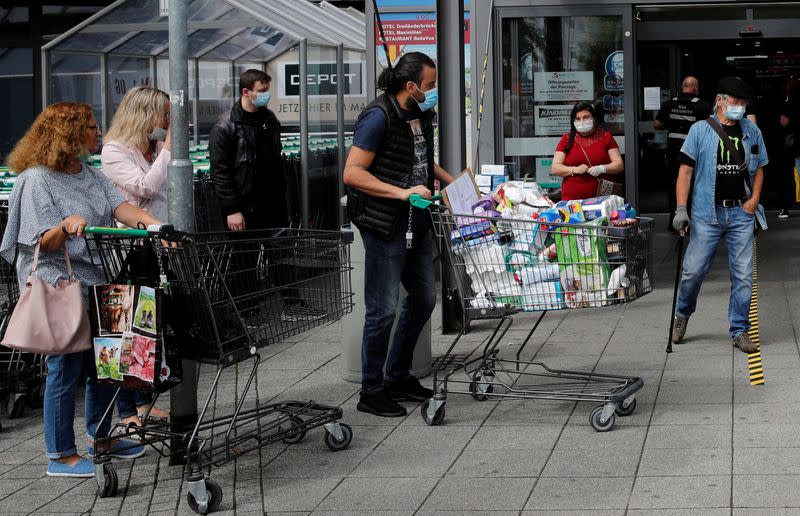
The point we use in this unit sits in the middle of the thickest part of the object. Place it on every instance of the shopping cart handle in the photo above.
(122, 232)
(164, 231)
(420, 202)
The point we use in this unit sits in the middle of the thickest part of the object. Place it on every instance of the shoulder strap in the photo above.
(584, 153)
(726, 142)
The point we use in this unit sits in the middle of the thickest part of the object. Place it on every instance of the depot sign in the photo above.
(322, 79)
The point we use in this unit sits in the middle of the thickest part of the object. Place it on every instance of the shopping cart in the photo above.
(503, 267)
(207, 212)
(22, 374)
(228, 294)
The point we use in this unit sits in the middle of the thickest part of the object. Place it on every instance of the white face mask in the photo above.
(584, 126)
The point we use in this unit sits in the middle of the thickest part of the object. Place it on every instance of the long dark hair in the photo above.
(408, 68)
(580, 106)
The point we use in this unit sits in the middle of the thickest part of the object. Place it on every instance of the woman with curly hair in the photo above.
(54, 198)
(135, 157)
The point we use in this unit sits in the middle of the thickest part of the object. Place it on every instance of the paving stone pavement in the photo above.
(701, 442)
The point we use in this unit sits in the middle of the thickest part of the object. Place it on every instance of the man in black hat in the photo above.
(677, 115)
(725, 205)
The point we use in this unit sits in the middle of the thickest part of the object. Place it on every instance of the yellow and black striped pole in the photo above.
(754, 364)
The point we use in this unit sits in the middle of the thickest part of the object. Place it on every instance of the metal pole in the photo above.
(452, 128)
(340, 78)
(372, 60)
(183, 398)
(304, 157)
(105, 89)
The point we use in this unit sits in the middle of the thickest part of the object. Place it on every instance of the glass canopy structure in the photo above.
(296, 41)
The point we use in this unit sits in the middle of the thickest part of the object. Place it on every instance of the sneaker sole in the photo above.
(366, 409)
(73, 475)
(120, 456)
(409, 397)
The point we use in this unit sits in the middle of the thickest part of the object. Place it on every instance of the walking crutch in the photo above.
(675, 292)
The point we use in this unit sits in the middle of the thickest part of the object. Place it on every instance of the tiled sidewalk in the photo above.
(702, 441)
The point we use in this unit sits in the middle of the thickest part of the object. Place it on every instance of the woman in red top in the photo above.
(584, 155)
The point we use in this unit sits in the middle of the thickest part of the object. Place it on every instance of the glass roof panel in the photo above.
(144, 43)
(231, 17)
(265, 37)
(132, 11)
(90, 42)
(201, 40)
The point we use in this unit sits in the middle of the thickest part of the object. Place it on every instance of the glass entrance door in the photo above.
(551, 59)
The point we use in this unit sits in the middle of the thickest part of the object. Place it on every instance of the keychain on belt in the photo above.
(409, 228)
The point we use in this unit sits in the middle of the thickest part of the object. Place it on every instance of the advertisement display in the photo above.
(554, 86)
(552, 120)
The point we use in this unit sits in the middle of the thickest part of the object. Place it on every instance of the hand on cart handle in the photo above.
(421, 202)
(74, 225)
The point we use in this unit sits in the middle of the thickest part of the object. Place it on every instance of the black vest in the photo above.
(393, 164)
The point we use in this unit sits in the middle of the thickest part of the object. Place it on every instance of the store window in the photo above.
(549, 64)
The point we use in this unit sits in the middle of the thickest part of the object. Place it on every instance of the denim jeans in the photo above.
(387, 265)
(736, 226)
(128, 400)
(63, 374)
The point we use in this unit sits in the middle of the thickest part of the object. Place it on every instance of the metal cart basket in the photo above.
(227, 295)
(505, 266)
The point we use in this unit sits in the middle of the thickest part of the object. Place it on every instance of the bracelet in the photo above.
(572, 172)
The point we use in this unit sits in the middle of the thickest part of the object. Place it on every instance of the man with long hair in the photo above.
(392, 158)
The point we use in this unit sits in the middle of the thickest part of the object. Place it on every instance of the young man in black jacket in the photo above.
(392, 158)
(246, 162)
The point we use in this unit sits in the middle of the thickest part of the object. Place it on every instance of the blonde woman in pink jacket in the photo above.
(135, 155)
(137, 147)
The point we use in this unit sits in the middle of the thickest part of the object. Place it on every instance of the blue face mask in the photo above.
(262, 99)
(431, 99)
(734, 112)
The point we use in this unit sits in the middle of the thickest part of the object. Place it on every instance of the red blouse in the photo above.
(596, 145)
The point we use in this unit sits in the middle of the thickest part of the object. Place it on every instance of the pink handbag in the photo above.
(49, 320)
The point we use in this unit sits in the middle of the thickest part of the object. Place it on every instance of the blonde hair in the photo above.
(55, 138)
(141, 110)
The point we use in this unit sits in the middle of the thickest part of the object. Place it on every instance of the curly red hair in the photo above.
(54, 139)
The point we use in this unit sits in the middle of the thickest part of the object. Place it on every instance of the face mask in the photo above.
(584, 126)
(262, 98)
(431, 99)
(158, 134)
(734, 112)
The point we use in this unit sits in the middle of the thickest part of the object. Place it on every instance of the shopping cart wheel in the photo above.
(481, 388)
(214, 498)
(338, 444)
(16, 405)
(110, 481)
(596, 420)
(438, 415)
(297, 432)
(36, 397)
(626, 411)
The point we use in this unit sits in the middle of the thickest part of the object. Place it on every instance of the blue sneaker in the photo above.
(122, 449)
(84, 468)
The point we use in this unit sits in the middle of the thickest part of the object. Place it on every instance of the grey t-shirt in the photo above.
(40, 200)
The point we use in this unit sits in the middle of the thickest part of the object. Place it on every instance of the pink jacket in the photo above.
(141, 184)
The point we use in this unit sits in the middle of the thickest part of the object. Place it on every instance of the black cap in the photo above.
(736, 87)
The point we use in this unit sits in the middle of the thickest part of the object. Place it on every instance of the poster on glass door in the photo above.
(553, 86)
(552, 120)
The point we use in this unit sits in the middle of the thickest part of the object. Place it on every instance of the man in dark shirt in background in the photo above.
(790, 157)
(676, 116)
